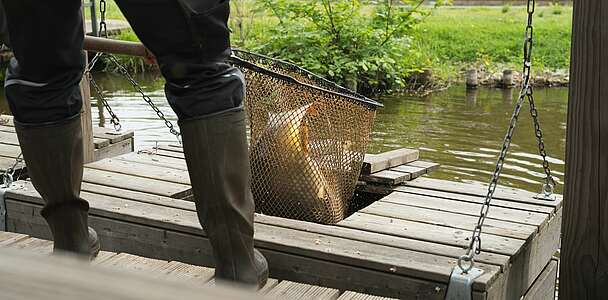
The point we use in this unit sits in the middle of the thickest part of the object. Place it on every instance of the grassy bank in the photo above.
(448, 41)
(491, 37)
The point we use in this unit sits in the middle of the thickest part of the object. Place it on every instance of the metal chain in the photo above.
(9, 174)
(103, 27)
(114, 120)
(146, 98)
(467, 261)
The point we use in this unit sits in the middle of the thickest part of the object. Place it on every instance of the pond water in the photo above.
(461, 130)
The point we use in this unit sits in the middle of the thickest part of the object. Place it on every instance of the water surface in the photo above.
(461, 130)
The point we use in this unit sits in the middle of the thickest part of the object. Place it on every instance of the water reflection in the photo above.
(462, 130)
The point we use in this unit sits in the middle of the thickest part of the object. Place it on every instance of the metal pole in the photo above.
(94, 28)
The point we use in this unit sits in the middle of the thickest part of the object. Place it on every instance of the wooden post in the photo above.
(584, 256)
(85, 114)
(471, 79)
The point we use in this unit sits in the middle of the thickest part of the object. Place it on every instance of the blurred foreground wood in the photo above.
(28, 276)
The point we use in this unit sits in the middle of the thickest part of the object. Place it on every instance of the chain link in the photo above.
(9, 174)
(145, 97)
(467, 261)
(103, 27)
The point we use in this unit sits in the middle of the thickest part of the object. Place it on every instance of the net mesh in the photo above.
(308, 139)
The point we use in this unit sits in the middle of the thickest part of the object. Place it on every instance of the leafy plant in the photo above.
(346, 40)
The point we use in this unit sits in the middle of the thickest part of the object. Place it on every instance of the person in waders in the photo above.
(190, 40)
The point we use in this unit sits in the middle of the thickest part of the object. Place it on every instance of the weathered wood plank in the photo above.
(8, 138)
(7, 238)
(414, 172)
(100, 143)
(301, 243)
(137, 196)
(448, 219)
(166, 153)
(7, 128)
(141, 170)
(477, 189)
(466, 208)
(155, 160)
(184, 272)
(135, 183)
(373, 163)
(53, 278)
(7, 120)
(294, 290)
(171, 148)
(382, 239)
(358, 296)
(112, 135)
(475, 199)
(115, 149)
(429, 166)
(9, 150)
(430, 233)
(387, 177)
(32, 245)
(544, 286)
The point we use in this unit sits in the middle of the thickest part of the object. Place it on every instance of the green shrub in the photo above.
(345, 40)
(506, 8)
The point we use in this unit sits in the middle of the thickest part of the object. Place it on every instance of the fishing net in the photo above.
(308, 139)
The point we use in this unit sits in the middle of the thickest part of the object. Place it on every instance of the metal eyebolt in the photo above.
(466, 263)
(548, 189)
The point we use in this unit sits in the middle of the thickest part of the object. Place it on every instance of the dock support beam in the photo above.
(584, 257)
(86, 117)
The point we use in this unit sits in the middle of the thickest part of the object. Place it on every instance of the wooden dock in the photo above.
(107, 142)
(174, 271)
(403, 246)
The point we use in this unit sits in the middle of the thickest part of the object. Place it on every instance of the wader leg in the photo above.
(191, 45)
(42, 87)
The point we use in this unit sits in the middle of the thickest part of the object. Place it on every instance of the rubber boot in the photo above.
(54, 157)
(215, 148)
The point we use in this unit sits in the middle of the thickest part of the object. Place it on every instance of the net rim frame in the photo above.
(249, 65)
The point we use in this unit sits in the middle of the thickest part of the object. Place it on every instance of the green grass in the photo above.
(450, 39)
(455, 36)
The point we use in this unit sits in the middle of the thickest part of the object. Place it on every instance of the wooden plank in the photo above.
(544, 286)
(33, 245)
(429, 166)
(386, 177)
(101, 143)
(324, 247)
(448, 219)
(270, 284)
(7, 238)
(141, 170)
(8, 138)
(475, 199)
(53, 278)
(155, 160)
(358, 296)
(166, 244)
(7, 128)
(112, 135)
(10, 151)
(414, 172)
(430, 233)
(478, 189)
(184, 272)
(137, 196)
(171, 148)
(382, 239)
(294, 290)
(115, 149)
(6, 120)
(172, 154)
(373, 163)
(135, 183)
(466, 208)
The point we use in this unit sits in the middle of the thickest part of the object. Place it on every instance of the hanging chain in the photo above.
(145, 97)
(467, 261)
(103, 27)
(9, 174)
